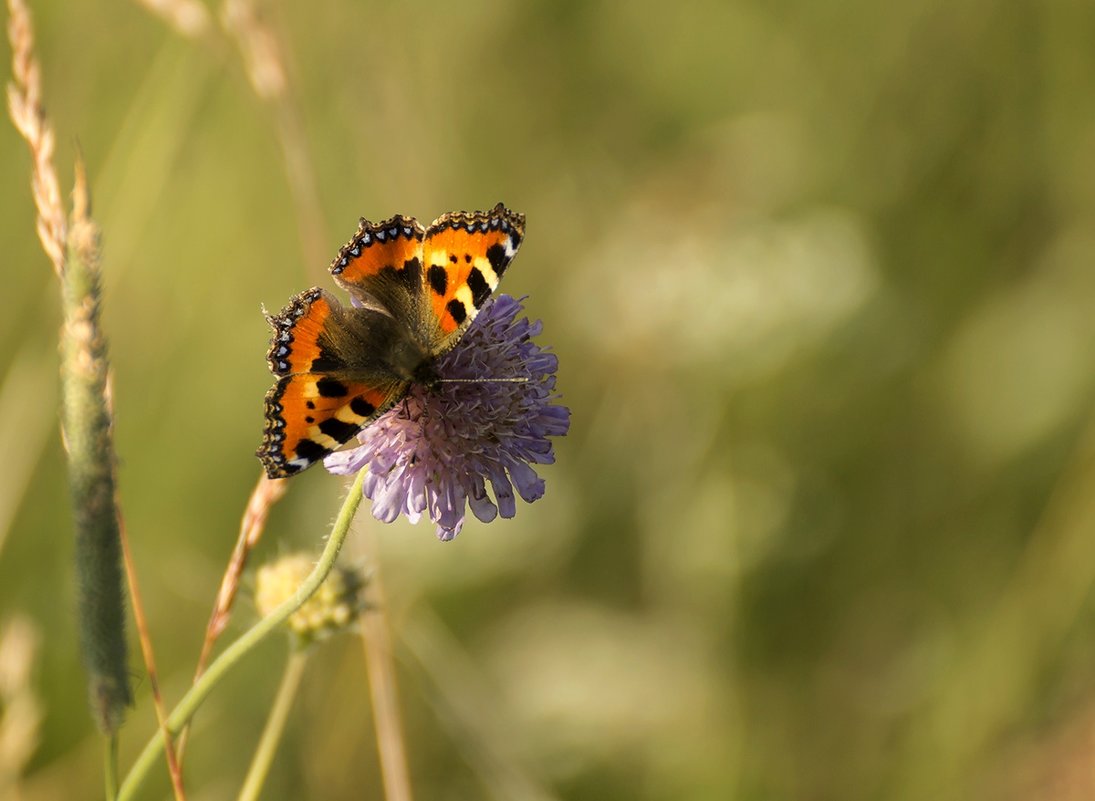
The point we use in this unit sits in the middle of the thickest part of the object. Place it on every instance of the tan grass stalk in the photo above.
(467, 706)
(20, 709)
(264, 63)
(25, 105)
(145, 638)
(258, 47)
(380, 667)
(188, 17)
(266, 493)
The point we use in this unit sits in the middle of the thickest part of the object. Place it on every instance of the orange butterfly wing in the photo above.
(465, 255)
(309, 416)
(309, 412)
(381, 258)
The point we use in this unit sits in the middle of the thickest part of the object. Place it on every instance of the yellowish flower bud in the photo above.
(332, 608)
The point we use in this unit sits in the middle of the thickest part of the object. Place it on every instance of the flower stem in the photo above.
(252, 637)
(275, 726)
(110, 766)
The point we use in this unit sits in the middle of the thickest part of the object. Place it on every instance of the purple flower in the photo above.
(436, 451)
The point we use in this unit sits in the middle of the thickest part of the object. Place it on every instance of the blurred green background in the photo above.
(820, 280)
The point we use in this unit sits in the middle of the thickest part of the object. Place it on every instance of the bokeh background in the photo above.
(820, 279)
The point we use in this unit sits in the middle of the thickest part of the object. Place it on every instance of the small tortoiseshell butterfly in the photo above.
(417, 291)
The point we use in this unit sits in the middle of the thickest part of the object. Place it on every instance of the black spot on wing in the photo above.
(337, 429)
(325, 362)
(361, 407)
(496, 255)
(331, 388)
(439, 279)
(480, 291)
(457, 310)
(409, 275)
(311, 450)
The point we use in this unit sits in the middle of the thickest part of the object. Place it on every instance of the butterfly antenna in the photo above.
(521, 380)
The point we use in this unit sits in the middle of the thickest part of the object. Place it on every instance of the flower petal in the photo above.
(529, 485)
(479, 501)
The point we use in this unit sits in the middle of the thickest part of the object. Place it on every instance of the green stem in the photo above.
(238, 649)
(110, 767)
(275, 726)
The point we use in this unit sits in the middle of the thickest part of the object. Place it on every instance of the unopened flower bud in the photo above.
(333, 607)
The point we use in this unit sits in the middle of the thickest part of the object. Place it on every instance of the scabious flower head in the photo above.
(333, 607)
(436, 451)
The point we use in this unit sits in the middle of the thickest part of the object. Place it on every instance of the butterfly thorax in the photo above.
(373, 347)
(411, 361)
(426, 375)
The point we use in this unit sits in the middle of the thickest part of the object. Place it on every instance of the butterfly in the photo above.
(416, 291)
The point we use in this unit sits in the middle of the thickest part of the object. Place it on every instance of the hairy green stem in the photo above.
(251, 638)
(275, 726)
